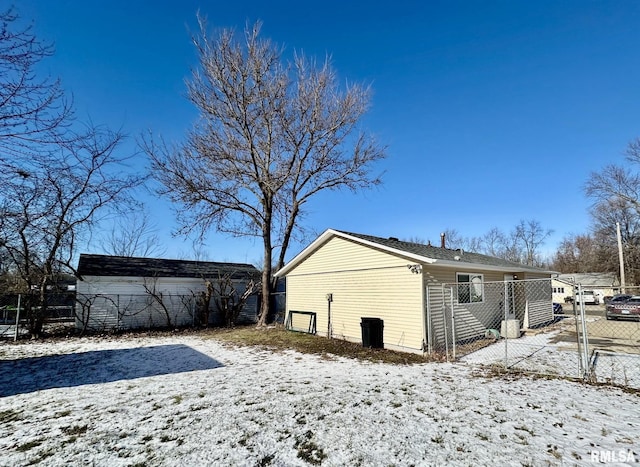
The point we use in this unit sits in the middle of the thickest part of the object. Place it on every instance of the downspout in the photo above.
(426, 301)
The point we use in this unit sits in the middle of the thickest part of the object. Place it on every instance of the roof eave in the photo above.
(487, 267)
(405, 254)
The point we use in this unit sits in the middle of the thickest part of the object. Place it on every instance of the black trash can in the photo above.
(372, 332)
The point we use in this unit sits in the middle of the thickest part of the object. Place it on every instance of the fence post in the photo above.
(15, 335)
(453, 323)
(585, 339)
(505, 316)
(444, 322)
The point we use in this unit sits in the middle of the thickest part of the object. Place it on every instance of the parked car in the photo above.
(624, 309)
(620, 298)
(589, 297)
(557, 308)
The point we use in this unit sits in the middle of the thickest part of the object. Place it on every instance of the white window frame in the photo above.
(465, 291)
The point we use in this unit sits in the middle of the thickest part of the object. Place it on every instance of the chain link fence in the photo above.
(515, 325)
(113, 312)
(16, 311)
(98, 313)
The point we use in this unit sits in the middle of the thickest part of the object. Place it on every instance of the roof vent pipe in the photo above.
(442, 240)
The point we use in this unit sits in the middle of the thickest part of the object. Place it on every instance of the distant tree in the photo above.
(616, 194)
(455, 241)
(530, 235)
(521, 245)
(452, 239)
(132, 234)
(605, 215)
(576, 254)
(493, 242)
(272, 134)
(618, 181)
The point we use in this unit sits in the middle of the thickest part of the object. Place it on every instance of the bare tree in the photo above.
(231, 295)
(530, 235)
(455, 241)
(57, 178)
(605, 216)
(33, 110)
(47, 213)
(415, 239)
(493, 242)
(272, 134)
(132, 234)
(158, 299)
(616, 194)
(203, 303)
(617, 181)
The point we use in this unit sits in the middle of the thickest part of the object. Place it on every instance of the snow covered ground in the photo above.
(188, 400)
(546, 354)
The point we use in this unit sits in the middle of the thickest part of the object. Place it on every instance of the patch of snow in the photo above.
(193, 401)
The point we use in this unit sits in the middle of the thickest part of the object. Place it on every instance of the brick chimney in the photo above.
(442, 240)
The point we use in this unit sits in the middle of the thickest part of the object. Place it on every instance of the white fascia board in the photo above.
(485, 267)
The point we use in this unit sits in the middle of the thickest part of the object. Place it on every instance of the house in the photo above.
(422, 296)
(603, 284)
(117, 292)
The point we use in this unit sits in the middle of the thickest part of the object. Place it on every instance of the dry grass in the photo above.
(278, 338)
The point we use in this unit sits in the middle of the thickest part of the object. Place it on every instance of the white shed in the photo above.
(117, 292)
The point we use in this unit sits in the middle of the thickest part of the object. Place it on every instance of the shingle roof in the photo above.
(426, 254)
(103, 265)
(447, 254)
(601, 279)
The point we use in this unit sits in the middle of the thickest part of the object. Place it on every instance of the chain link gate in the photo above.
(510, 324)
(514, 325)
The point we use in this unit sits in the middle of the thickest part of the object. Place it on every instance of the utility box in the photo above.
(372, 332)
(510, 328)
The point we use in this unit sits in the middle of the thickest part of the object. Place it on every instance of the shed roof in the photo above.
(113, 266)
(593, 279)
(426, 254)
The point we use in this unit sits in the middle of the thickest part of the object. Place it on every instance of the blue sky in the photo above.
(492, 111)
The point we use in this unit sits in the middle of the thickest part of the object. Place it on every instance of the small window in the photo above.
(470, 288)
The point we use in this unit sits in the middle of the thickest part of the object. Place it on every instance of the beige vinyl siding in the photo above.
(364, 282)
(539, 308)
(471, 319)
(532, 275)
(532, 305)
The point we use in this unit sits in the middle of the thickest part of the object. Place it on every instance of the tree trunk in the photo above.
(266, 271)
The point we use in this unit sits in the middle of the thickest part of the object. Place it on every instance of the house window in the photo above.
(470, 288)
(558, 290)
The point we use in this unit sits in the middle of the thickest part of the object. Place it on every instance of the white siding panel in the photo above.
(539, 302)
(123, 302)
